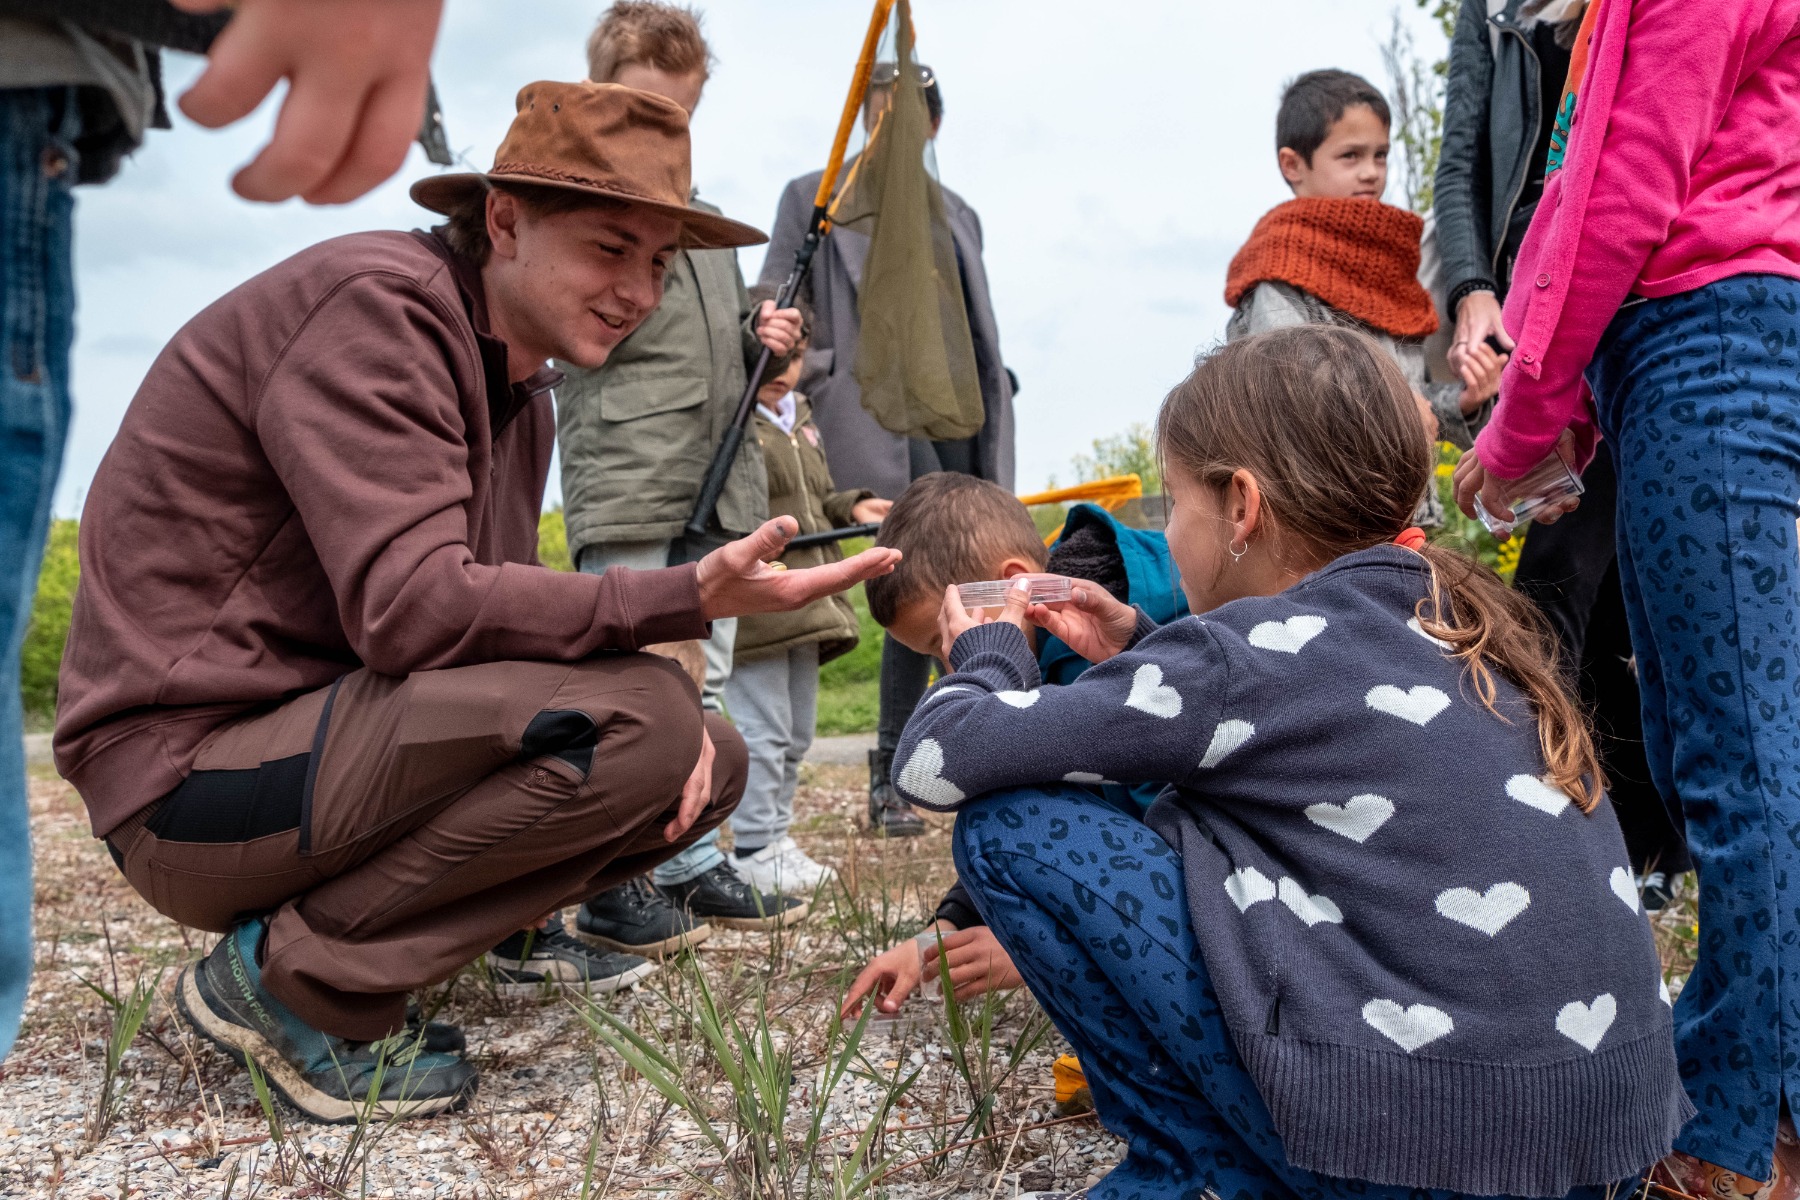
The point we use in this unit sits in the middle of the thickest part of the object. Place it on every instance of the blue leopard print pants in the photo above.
(1092, 907)
(1699, 394)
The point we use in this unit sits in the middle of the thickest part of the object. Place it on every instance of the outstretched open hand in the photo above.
(737, 580)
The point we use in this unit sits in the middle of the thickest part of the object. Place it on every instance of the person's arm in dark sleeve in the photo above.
(958, 908)
(1461, 192)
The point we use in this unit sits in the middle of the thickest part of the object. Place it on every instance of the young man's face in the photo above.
(682, 89)
(1350, 163)
(574, 285)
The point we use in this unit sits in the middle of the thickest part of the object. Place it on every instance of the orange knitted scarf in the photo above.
(1359, 256)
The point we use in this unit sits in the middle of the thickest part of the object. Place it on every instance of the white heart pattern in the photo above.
(1287, 636)
(1357, 818)
(1407, 1028)
(1418, 704)
(1085, 777)
(1150, 695)
(936, 692)
(1539, 794)
(1018, 699)
(1662, 990)
(1412, 623)
(1586, 1024)
(922, 777)
(1490, 912)
(1229, 735)
(1248, 886)
(1311, 909)
(1624, 887)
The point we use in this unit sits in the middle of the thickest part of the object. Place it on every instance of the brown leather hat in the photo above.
(600, 138)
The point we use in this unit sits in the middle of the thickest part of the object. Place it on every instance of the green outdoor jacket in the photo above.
(636, 434)
(800, 487)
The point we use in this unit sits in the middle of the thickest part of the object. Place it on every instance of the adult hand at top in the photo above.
(778, 328)
(357, 72)
(736, 580)
(1094, 625)
(1478, 318)
(872, 511)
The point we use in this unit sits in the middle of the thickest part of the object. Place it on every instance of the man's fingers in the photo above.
(770, 539)
(241, 69)
(311, 137)
(813, 582)
(390, 120)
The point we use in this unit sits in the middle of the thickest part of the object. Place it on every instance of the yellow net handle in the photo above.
(1110, 494)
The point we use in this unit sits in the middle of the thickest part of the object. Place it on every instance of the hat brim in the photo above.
(700, 230)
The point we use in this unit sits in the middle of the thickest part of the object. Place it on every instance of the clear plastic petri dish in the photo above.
(991, 593)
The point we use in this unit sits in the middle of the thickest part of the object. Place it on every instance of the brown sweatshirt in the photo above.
(326, 469)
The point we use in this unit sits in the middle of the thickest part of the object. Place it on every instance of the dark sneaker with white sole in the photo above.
(721, 897)
(325, 1077)
(534, 961)
(439, 1037)
(635, 918)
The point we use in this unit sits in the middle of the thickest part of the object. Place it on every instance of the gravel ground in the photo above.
(559, 1114)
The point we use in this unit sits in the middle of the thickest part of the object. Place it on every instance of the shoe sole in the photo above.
(780, 920)
(659, 950)
(578, 987)
(241, 1045)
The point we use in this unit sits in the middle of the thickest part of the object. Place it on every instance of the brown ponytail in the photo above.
(1324, 419)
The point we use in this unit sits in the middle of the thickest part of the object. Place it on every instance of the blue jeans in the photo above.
(37, 318)
(1699, 394)
(1091, 905)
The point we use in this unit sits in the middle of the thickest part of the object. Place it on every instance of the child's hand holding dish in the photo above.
(1095, 625)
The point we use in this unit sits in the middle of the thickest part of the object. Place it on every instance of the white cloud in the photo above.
(1117, 156)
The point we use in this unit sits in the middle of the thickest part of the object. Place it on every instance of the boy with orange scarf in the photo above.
(1336, 255)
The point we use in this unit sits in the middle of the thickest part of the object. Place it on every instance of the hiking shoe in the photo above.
(889, 815)
(782, 868)
(720, 897)
(635, 918)
(325, 1077)
(535, 960)
(438, 1037)
(1656, 889)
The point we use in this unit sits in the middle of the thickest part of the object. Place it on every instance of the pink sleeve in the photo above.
(1682, 63)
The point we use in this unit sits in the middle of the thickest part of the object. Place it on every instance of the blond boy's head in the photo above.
(654, 47)
(950, 529)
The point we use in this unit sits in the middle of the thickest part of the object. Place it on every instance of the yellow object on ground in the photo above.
(1109, 494)
(1072, 1094)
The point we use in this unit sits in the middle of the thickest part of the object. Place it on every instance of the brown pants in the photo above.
(398, 827)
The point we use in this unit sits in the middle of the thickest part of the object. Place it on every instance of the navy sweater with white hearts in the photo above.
(1434, 965)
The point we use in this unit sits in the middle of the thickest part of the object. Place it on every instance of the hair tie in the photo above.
(1411, 538)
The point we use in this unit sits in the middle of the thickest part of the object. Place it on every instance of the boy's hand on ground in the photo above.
(871, 512)
(778, 329)
(357, 74)
(1095, 625)
(977, 962)
(890, 977)
(695, 792)
(736, 580)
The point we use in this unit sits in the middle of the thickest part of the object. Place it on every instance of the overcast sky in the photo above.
(1118, 154)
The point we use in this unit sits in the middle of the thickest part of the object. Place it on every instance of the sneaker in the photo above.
(1657, 890)
(533, 961)
(889, 815)
(327, 1078)
(783, 868)
(439, 1037)
(635, 918)
(721, 898)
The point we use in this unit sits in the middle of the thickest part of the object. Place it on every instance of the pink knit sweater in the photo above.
(1683, 168)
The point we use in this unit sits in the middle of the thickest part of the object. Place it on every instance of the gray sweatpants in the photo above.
(774, 703)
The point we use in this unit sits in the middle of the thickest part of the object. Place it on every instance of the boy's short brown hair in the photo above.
(664, 36)
(1312, 103)
(950, 528)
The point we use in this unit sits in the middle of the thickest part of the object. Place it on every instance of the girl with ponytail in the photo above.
(1379, 927)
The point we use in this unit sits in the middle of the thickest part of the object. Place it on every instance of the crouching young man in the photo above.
(320, 697)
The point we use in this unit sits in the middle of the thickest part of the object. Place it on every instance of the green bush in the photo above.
(553, 541)
(49, 628)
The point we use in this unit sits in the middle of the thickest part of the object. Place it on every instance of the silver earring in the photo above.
(1237, 554)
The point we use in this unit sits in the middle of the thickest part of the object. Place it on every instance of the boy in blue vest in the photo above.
(952, 529)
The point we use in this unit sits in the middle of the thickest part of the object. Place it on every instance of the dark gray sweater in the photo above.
(1433, 964)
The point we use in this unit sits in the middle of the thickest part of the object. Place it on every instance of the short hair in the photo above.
(1314, 102)
(465, 230)
(779, 362)
(949, 528)
(649, 33)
